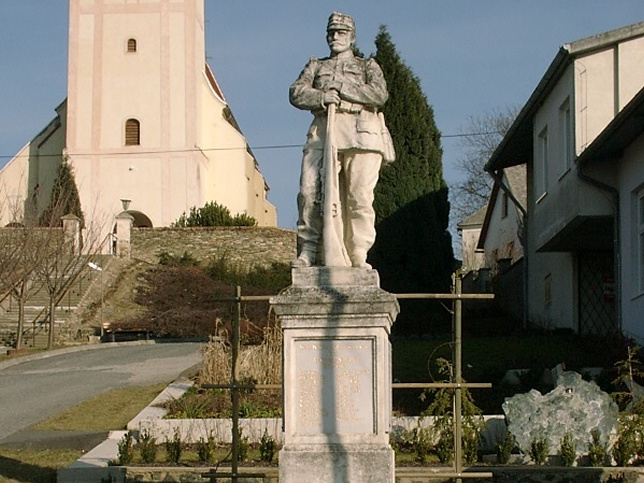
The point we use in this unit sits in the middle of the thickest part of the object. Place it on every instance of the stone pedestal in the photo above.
(124, 222)
(337, 377)
(72, 232)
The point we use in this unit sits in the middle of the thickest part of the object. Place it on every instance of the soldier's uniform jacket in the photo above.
(363, 91)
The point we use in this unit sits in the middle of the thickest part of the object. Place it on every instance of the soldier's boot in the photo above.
(305, 259)
(359, 259)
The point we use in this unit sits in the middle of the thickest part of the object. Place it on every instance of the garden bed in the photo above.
(504, 474)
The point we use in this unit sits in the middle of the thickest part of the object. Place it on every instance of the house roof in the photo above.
(212, 80)
(475, 220)
(627, 125)
(516, 147)
(515, 179)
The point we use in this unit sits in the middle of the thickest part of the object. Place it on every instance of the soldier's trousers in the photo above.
(357, 178)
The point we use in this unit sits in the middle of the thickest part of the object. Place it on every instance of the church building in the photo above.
(145, 126)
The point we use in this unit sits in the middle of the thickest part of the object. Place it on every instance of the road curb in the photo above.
(68, 350)
(88, 347)
(95, 466)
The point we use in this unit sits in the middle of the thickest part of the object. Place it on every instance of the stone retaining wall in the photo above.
(246, 245)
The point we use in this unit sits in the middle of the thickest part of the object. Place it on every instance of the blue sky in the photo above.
(471, 56)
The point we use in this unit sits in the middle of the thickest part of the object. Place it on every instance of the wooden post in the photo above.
(458, 370)
(235, 381)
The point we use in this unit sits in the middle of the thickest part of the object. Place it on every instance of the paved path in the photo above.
(38, 389)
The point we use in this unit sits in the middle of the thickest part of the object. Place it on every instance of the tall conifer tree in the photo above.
(413, 248)
(64, 199)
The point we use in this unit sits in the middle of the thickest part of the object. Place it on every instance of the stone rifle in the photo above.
(335, 253)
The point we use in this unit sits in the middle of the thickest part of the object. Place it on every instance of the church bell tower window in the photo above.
(132, 132)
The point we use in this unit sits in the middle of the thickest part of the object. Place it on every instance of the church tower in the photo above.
(146, 120)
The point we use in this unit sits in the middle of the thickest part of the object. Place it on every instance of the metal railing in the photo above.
(458, 470)
(79, 281)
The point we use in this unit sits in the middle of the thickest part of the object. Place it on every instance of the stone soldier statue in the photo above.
(345, 147)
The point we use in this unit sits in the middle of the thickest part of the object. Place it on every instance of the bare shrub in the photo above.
(261, 363)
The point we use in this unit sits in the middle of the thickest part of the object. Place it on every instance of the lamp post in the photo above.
(98, 268)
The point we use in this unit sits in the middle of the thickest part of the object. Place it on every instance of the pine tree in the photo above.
(413, 248)
(64, 199)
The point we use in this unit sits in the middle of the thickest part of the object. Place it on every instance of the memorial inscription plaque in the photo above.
(335, 386)
(336, 323)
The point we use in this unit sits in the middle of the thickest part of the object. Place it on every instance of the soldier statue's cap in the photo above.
(340, 21)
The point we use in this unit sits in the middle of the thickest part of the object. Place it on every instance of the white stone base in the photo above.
(337, 377)
(354, 463)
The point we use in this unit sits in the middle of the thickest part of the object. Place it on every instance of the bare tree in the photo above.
(21, 250)
(23, 280)
(66, 256)
(38, 251)
(11, 249)
(10, 241)
(480, 138)
(11, 282)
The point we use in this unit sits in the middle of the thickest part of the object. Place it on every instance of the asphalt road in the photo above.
(33, 391)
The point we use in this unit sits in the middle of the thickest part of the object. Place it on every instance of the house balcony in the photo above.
(574, 216)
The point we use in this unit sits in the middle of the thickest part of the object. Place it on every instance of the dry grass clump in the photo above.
(261, 363)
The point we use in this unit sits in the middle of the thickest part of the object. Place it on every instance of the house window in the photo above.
(565, 120)
(542, 160)
(640, 238)
(547, 291)
(132, 132)
(505, 202)
(131, 45)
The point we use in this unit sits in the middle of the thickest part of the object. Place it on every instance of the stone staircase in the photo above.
(36, 328)
(78, 315)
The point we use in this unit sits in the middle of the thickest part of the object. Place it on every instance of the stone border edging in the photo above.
(174, 390)
(93, 467)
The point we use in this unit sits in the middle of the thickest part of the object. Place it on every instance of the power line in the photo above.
(163, 151)
(197, 149)
(467, 135)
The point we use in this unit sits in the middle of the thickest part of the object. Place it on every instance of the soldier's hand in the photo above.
(331, 97)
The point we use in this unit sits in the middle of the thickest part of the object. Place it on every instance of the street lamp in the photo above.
(98, 268)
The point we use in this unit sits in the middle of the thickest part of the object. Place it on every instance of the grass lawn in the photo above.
(33, 466)
(105, 412)
(112, 410)
(487, 359)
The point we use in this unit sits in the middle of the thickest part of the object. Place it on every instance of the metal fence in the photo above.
(458, 470)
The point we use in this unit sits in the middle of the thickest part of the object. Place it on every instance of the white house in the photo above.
(502, 228)
(492, 245)
(614, 162)
(470, 230)
(570, 238)
(145, 125)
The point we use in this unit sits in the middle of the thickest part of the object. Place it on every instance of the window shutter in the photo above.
(132, 132)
